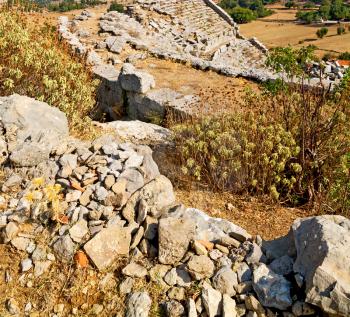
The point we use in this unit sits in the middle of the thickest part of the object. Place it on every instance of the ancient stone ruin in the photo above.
(96, 203)
(114, 205)
(196, 32)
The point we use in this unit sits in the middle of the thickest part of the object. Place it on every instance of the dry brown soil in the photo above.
(280, 29)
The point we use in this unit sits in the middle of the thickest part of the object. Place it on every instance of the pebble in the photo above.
(26, 265)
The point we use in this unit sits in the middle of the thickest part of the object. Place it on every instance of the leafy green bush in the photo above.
(239, 153)
(340, 30)
(33, 62)
(328, 10)
(289, 142)
(308, 17)
(308, 5)
(290, 4)
(242, 15)
(322, 32)
(239, 9)
(69, 5)
(115, 6)
(345, 55)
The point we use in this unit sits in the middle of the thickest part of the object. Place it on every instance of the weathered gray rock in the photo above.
(110, 93)
(225, 281)
(152, 106)
(138, 305)
(12, 307)
(33, 129)
(21, 243)
(174, 239)
(212, 301)
(108, 245)
(323, 245)
(228, 306)
(26, 265)
(116, 44)
(135, 270)
(255, 255)
(252, 304)
(282, 265)
(64, 248)
(177, 293)
(208, 228)
(279, 247)
(13, 181)
(244, 273)
(93, 58)
(273, 290)
(201, 267)
(78, 231)
(134, 80)
(134, 180)
(3, 150)
(40, 267)
(157, 194)
(158, 272)
(174, 309)
(191, 308)
(125, 287)
(138, 132)
(136, 239)
(302, 309)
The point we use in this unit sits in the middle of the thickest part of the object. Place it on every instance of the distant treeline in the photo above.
(244, 11)
(68, 5)
(327, 10)
(65, 5)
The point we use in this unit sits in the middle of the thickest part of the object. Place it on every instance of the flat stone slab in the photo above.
(107, 245)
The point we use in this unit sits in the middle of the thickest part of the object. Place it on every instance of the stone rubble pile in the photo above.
(113, 204)
(331, 71)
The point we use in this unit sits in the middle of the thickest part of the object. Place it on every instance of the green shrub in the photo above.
(322, 32)
(339, 194)
(288, 142)
(307, 17)
(308, 5)
(340, 30)
(69, 5)
(290, 4)
(33, 62)
(345, 55)
(239, 153)
(114, 6)
(244, 11)
(242, 15)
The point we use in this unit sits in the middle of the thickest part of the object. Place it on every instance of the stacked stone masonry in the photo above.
(115, 207)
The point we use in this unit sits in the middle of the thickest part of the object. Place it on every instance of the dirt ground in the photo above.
(280, 29)
(257, 216)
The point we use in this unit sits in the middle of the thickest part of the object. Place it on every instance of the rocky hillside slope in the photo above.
(93, 204)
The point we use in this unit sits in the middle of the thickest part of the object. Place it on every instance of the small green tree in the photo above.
(242, 15)
(289, 4)
(114, 6)
(322, 32)
(325, 9)
(338, 10)
(345, 55)
(340, 30)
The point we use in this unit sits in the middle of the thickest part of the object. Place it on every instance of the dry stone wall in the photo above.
(113, 204)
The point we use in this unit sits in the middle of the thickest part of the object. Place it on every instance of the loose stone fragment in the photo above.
(138, 305)
(107, 245)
